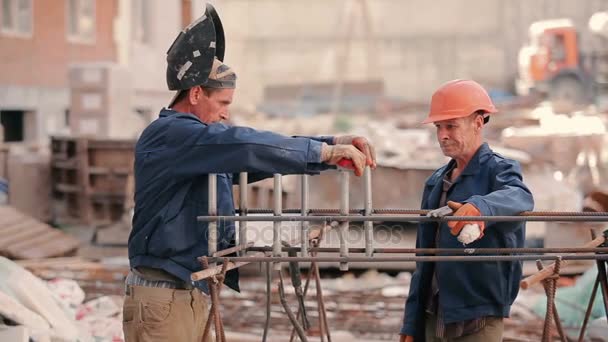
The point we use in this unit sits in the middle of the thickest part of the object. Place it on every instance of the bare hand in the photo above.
(333, 154)
(362, 144)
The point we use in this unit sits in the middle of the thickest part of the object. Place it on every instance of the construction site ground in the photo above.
(361, 305)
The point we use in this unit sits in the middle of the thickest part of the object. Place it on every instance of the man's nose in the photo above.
(442, 134)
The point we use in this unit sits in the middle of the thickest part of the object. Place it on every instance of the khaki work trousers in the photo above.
(159, 314)
(492, 332)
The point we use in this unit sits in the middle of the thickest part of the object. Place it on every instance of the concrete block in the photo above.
(29, 181)
(14, 333)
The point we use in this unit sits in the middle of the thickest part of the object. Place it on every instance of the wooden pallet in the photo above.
(23, 237)
(89, 178)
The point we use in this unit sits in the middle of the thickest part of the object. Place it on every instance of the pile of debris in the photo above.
(53, 311)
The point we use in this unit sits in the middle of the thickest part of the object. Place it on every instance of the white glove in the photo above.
(469, 233)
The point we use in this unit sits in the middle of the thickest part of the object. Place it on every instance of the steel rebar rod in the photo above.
(581, 335)
(402, 211)
(466, 251)
(212, 210)
(548, 271)
(443, 258)
(601, 271)
(290, 315)
(304, 212)
(241, 249)
(204, 274)
(276, 229)
(243, 196)
(343, 228)
(306, 284)
(551, 314)
(323, 325)
(268, 302)
(405, 218)
(368, 225)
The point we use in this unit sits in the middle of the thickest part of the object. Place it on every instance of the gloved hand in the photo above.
(467, 231)
(440, 212)
(406, 338)
(362, 144)
(333, 154)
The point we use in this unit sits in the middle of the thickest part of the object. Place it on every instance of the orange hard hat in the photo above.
(458, 99)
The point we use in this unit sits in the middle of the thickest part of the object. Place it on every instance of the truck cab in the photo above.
(551, 62)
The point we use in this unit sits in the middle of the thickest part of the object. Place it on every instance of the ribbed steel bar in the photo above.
(398, 211)
(405, 218)
(440, 258)
(451, 251)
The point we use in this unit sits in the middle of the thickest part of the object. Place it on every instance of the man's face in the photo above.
(213, 107)
(458, 137)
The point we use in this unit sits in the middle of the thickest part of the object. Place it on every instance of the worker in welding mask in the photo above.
(466, 301)
(173, 158)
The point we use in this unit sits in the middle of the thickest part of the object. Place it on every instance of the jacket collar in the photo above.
(479, 157)
(165, 112)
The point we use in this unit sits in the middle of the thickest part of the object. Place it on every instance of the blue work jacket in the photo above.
(470, 290)
(173, 157)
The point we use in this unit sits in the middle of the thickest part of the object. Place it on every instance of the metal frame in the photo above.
(344, 215)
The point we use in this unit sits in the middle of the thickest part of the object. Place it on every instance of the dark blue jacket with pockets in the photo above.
(172, 159)
(469, 290)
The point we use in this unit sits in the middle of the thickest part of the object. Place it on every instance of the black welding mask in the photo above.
(190, 57)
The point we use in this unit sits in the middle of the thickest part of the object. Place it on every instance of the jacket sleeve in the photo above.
(510, 196)
(312, 167)
(201, 149)
(328, 139)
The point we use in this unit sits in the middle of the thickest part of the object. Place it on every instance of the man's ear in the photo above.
(195, 95)
(479, 122)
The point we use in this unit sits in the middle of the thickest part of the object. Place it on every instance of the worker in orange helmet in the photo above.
(466, 301)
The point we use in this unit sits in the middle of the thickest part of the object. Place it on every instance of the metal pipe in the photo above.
(243, 196)
(368, 225)
(466, 251)
(305, 224)
(343, 228)
(399, 218)
(212, 210)
(276, 228)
